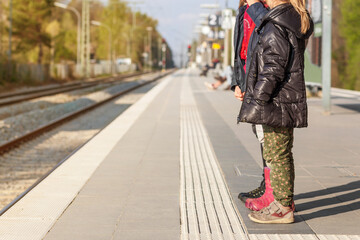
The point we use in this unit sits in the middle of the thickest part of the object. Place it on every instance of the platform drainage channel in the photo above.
(207, 211)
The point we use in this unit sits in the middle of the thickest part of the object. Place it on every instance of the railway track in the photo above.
(22, 118)
(17, 97)
(32, 157)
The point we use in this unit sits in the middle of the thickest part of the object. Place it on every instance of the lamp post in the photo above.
(64, 6)
(164, 57)
(159, 52)
(212, 19)
(96, 23)
(10, 38)
(149, 29)
(210, 6)
(130, 49)
(227, 25)
(128, 44)
(326, 55)
(10, 31)
(204, 15)
(133, 23)
(85, 39)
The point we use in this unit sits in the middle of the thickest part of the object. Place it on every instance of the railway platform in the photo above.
(171, 167)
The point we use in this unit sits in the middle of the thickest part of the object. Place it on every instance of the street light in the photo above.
(10, 32)
(64, 6)
(326, 56)
(210, 6)
(128, 44)
(96, 23)
(203, 22)
(214, 7)
(10, 39)
(164, 56)
(133, 22)
(149, 29)
(204, 15)
(197, 29)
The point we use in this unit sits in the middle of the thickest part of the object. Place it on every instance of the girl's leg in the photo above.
(259, 191)
(259, 132)
(278, 146)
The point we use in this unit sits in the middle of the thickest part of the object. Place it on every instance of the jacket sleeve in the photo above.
(256, 12)
(274, 59)
(234, 81)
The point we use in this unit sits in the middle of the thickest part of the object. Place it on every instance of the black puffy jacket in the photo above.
(275, 93)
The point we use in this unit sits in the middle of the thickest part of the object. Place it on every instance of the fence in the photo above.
(41, 72)
(11, 72)
(65, 71)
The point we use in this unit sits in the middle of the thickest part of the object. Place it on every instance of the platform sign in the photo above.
(318, 30)
(221, 34)
(214, 20)
(211, 35)
(216, 46)
(316, 15)
(226, 19)
(316, 11)
(216, 35)
(313, 69)
(205, 30)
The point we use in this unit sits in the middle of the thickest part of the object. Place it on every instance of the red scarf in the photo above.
(249, 27)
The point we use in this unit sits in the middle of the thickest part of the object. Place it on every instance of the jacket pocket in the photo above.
(272, 114)
(251, 112)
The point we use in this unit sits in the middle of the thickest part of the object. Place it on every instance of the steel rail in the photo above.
(32, 94)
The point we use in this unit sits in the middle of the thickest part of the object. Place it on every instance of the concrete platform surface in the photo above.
(172, 165)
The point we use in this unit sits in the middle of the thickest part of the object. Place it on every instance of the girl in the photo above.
(245, 39)
(275, 98)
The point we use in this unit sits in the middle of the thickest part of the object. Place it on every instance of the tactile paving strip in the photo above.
(302, 237)
(207, 211)
(283, 237)
(338, 237)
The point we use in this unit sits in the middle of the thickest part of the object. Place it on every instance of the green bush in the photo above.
(350, 30)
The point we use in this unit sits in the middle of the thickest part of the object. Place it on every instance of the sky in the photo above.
(177, 19)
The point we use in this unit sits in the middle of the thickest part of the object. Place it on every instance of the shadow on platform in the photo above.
(325, 202)
(350, 106)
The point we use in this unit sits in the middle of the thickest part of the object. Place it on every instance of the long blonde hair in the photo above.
(242, 3)
(300, 7)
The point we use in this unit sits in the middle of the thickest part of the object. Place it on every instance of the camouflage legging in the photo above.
(278, 143)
